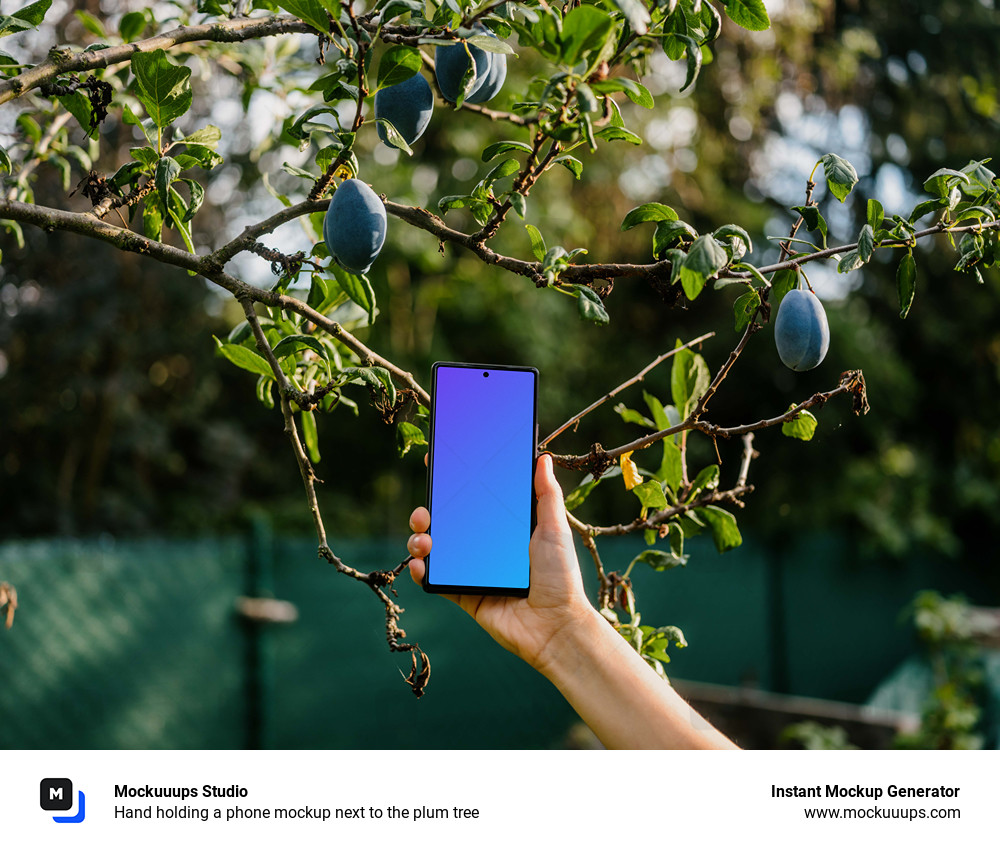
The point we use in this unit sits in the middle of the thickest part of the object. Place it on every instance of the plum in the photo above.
(355, 225)
(496, 73)
(450, 64)
(407, 106)
(801, 332)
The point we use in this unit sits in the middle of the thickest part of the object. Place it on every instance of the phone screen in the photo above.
(480, 493)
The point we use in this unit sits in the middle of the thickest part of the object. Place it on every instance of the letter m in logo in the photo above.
(56, 795)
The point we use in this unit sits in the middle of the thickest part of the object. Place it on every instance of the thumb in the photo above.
(551, 511)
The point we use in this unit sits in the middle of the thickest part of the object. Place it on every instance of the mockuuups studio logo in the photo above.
(56, 795)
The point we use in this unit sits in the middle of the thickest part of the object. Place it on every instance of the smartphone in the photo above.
(480, 490)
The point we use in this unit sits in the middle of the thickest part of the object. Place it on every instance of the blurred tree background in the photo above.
(117, 416)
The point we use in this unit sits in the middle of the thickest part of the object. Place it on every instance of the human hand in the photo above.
(529, 627)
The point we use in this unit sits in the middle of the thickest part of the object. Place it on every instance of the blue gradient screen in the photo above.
(482, 460)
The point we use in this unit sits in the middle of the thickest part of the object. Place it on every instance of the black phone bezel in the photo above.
(479, 590)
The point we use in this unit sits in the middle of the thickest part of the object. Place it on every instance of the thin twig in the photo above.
(850, 382)
(634, 379)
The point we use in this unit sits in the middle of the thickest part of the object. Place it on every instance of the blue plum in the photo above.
(496, 73)
(355, 225)
(407, 106)
(450, 64)
(801, 332)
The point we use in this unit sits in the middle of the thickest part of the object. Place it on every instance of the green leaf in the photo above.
(840, 175)
(450, 202)
(572, 164)
(78, 104)
(707, 479)
(146, 155)
(689, 378)
(705, 259)
(24, 19)
(617, 134)
(636, 14)
(408, 435)
(814, 221)
(660, 419)
(584, 30)
(637, 93)
(802, 427)
(497, 148)
(783, 282)
(876, 215)
(590, 305)
(537, 242)
(207, 136)
(737, 233)
(90, 23)
(670, 471)
(197, 192)
(167, 171)
(310, 436)
(906, 279)
(163, 88)
(491, 44)
(940, 182)
(979, 175)
(633, 416)
(504, 169)
(650, 495)
(152, 218)
(310, 11)
(850, 261)
(244, 358)
(744, 308)
(648, 212)
(179, 215)
(395, 8)
(358, 288)
(578, 495)
(668, 233)
(659, 561)
(925, 207)
(5, 163)
(132, 26)
(397, 65)
(694, 60)
(375, 377)
(725, 532)
(394, 136)
(866, 243)
(298, 342)
(749, 14)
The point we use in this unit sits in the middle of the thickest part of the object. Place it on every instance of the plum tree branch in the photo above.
(232, 30)
(378, 581)
(850, 382)
(85, 224)
(634, 379)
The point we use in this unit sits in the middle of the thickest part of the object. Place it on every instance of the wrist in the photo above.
(573, 646)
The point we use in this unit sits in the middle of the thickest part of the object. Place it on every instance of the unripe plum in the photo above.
(407, 106)
(450, 64)
(801, 332)
(355, 225)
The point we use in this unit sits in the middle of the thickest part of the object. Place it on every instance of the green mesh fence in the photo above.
(137, 644)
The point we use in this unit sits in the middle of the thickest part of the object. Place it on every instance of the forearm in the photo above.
(619, 696)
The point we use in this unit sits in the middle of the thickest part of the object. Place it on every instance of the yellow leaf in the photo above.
(629, 471)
